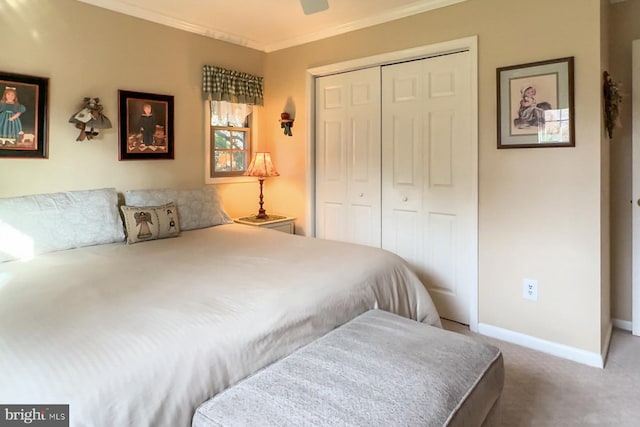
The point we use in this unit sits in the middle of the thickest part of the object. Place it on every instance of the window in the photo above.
(230, 150)
(230, 95)
(230, 143)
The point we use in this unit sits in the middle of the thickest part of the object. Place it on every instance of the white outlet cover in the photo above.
(530, 289)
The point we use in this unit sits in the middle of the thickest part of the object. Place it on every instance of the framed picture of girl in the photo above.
(146, 126)
(535, 104)
(23, 116)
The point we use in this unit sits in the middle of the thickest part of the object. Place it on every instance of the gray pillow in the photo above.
(41, 223)
(198, 208)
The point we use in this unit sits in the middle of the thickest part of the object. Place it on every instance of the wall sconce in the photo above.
(90, 116)
(286, 123)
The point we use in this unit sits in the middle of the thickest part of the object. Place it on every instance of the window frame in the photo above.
(208, 153)
(231, 150)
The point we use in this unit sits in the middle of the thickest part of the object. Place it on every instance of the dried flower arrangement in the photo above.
(612, 102)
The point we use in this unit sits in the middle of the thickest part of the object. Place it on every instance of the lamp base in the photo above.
(262, 215)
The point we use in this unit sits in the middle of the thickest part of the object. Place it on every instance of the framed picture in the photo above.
(146, 125)
(23, 116)
(535, 104)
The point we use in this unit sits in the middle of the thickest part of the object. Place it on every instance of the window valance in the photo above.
(220, 84)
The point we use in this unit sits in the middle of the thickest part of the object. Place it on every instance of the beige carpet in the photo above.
(544, 390)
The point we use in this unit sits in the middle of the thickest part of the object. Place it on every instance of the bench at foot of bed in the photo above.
(378, 369)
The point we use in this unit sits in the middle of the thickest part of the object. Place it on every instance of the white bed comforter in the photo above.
(137, 335)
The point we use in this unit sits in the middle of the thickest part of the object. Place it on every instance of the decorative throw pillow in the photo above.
(145, 223)
(41, 223)
(199, 208)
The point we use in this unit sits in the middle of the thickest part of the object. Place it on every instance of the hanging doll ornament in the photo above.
(89, 119)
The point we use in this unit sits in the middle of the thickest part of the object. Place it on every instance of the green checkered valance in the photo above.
(220, 84)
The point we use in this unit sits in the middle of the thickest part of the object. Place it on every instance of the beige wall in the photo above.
(540, 209)
(623, 29)
(540, 213)
(89, 51)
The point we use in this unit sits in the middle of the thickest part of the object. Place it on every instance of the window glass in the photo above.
(230, 138)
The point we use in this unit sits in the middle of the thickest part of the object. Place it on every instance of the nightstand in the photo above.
(275, 222)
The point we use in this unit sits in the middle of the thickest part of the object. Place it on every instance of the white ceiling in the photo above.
(268, 25)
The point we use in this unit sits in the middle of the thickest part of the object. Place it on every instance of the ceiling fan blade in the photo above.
(314, 6)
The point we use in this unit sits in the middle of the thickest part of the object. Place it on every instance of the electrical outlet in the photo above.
(530, 289)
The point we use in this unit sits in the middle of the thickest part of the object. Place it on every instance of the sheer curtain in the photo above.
(225, 113)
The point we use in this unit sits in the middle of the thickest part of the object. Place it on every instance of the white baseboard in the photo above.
(566, 352)
(625, 325)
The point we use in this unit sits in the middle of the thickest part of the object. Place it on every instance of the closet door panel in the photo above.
(403, 238)
(348, 156)
(402, 171)
(428, 121)
(402, 150)
(331, 160)
(441, 149)
(364, 156)
(360, 221)
(364, 182)
(333, 220)
(440, 252)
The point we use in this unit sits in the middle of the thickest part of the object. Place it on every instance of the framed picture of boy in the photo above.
(23, 116)
(535, 104)
(146, 126)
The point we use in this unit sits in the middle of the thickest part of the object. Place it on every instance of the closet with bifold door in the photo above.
(394, 169)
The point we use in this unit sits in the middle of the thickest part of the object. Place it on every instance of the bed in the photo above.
(141, 334)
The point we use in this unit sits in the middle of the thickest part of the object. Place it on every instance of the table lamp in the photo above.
(261, 167)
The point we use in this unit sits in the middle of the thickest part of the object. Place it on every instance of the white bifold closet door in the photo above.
(427, 194)
(348, 157)
(394, 169)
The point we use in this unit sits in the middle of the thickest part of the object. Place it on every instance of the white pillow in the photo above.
(198, 208)
(144, 223)
(41, 223)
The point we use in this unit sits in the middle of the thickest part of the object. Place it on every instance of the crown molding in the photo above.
(402, 12)
(159, 18)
